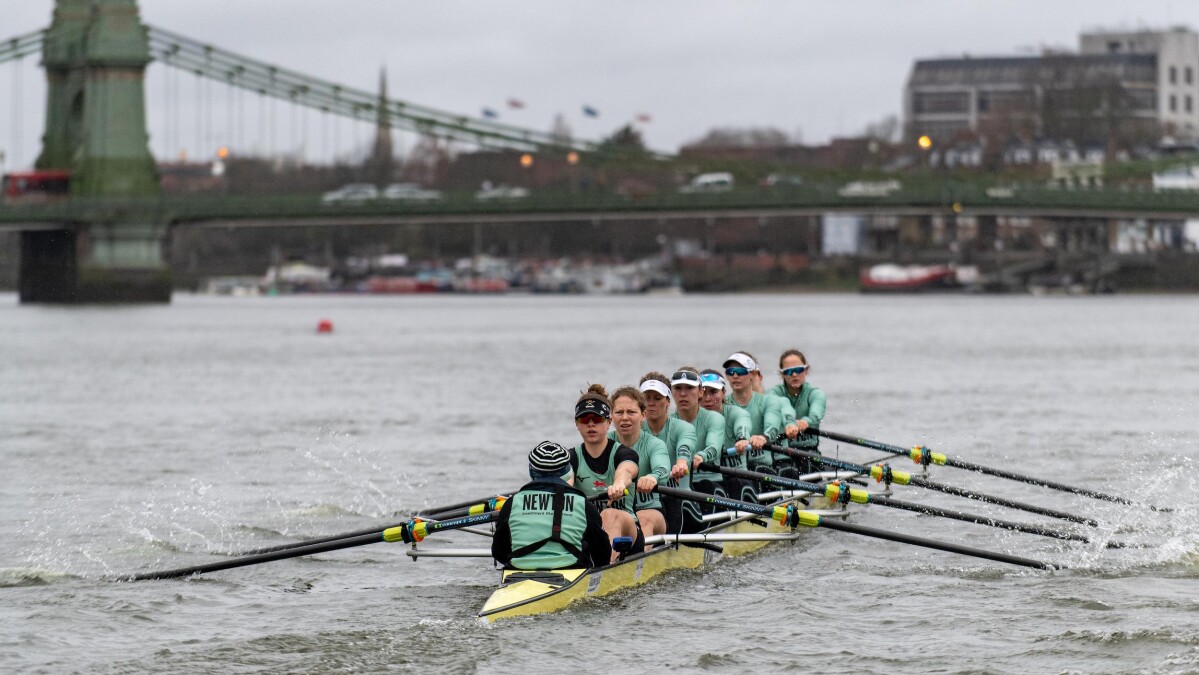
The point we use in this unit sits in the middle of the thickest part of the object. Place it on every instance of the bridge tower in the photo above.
(95, 56)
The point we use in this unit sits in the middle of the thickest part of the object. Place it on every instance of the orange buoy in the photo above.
(324, 326)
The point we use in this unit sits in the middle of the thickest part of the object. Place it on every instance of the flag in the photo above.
(490, 114)
(590, 112)
(516, 103)
(644, 119)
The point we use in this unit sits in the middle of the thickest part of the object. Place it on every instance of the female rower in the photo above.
(806, 400)
(679, 437)
(653, 460)
(737, 431)
(783, 465)
(708, 424)
(763, 414)
(602, 465)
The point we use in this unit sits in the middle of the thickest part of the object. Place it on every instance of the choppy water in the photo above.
(142, 438)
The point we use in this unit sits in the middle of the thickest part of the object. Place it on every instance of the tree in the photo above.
(750, 137)
(884, 130)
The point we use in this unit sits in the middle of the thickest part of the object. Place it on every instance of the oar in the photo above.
(457, 510)
(413, 530)
(443, 512)
(790, 516)
(837, 493)
(922, 455)
(882, 472)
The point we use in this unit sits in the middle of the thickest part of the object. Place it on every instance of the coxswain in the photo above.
(606, 467)
(737, 431)
(679, 437)
(653, 460)
(807, 402)
(767, 423)
(549, 524)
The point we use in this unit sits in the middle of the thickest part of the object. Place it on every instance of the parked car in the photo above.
(709, 182)
(410, 192)
(354, 193)
(865, 188)
(501, 193)
(782, 180)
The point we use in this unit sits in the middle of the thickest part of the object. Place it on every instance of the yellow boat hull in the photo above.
(527, 593)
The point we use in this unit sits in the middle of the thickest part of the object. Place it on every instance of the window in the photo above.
(1173, 103)
(1186, 75)
(1187, 103)
(1173, 75)
(941, 102)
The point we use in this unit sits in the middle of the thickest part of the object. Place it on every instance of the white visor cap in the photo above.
(655, 385)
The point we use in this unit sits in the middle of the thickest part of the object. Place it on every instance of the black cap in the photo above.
(549, 459)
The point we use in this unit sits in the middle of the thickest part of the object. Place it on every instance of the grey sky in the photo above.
(825, 68)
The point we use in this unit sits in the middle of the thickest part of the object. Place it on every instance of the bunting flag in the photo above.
(516, 103)
(644, 119)
(490, 114)
(590, 112)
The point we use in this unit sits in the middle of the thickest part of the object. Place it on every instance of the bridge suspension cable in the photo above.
(290, 86)
(21, 46)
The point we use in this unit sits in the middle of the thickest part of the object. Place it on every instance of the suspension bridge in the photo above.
(107, 241)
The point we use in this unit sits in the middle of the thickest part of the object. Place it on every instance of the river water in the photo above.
(143, 438)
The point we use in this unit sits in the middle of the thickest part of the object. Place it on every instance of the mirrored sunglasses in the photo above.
(736, 370)
(794, 370)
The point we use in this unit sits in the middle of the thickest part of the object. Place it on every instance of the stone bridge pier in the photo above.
(95, 55)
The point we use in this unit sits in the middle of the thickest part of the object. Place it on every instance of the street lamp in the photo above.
(526, 160)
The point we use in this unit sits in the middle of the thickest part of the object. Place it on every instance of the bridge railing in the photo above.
(947, 198)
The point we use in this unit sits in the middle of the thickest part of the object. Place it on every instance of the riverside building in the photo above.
(1133, 87)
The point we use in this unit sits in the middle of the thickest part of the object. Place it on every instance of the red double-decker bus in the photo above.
(33, 187)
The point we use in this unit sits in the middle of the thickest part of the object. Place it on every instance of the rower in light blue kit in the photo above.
(679, 437)
(550, 524)
(653, 460)
(709, 434)
(737, 430)
(603, 466)
(764, 414)
(807, 401)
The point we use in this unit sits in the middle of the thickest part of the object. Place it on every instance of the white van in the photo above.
(709, 182)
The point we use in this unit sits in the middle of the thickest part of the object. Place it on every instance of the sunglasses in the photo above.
(590, 419)
(736, 370)
(684, 375)
(794, 370)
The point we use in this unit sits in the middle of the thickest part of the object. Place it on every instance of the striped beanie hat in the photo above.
(548, 459)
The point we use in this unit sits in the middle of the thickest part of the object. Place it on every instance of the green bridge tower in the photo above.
(95, 55)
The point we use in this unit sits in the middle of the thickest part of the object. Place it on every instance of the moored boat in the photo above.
(909, 279)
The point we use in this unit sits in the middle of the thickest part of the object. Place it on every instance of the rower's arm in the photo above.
(687, 442)
(626, 473)
(816, 406)
(713, 441)
(659, 461)
(772, 419)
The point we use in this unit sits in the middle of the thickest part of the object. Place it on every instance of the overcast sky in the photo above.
(820, 68)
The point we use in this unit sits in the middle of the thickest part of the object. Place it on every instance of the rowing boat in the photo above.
(532, 592)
